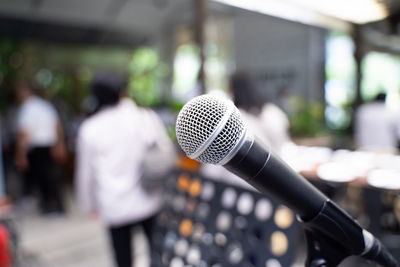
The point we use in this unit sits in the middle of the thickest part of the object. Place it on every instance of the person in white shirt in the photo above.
(376, 126)
(111, 148)
(265, 119)
(39, 143)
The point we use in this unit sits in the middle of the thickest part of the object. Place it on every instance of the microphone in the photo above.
(210, 130)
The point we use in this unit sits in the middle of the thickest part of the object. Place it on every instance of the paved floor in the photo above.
(73, 240)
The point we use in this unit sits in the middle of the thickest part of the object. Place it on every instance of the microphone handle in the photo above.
(379, 254)
(267, 173)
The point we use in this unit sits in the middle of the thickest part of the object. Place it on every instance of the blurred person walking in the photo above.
(111, 150)
(376, 126)
(264, 118)
(39, 144)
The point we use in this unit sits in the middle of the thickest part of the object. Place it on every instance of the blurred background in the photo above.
(319, 62)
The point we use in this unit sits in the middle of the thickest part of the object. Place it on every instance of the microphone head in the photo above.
(209, 128)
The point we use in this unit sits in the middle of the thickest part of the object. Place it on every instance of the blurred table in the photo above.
(355, 168)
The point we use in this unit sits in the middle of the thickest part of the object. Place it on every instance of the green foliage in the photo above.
(171, 131)
(145, 73)
(380, 74)
(10, 60)
(308, 120)
(186, 68)
(65, 72)
(175, 105)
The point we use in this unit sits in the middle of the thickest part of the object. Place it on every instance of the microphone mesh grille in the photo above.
(226, 140)
(198, 120)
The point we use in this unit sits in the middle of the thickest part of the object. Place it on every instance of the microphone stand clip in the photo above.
(332, 235)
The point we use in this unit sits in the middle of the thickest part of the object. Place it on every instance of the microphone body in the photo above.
(267, 173)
